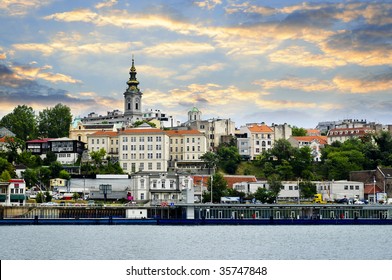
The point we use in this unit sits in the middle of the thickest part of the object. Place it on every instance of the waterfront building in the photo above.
(381, 177)
(13, 192)
(186, 149)
(315, 143)
(254, 139)
(215, 129)
(143, 149)
(148, 188)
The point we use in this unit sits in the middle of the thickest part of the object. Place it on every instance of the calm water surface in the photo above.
(195, 242)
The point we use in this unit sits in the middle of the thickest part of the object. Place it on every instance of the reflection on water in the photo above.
(195, 242)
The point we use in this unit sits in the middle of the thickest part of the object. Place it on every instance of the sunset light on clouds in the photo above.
(278, 61)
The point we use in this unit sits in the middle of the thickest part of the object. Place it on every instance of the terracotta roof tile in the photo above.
(260, 128)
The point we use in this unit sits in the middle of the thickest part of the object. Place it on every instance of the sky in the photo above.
(273, 61)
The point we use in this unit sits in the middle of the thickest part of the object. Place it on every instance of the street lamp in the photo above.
(374, 189)
(212, 179)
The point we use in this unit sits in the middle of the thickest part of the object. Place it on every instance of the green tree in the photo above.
(298, 131)
(48, 197)
(307, 189)
(29, 160)
(98, 156)
(55, 169)
(384, 143)
(64, 175)
(219, 188)
(13, 147)
(54, 122)
(22, 122)
(5, 165)
(211, 160)
(31, 177)
(40, 198)
(75, 196)
(282, 150)
(50, 158)
(5, 176)
(44, 175)
(229, 158)
(264, 196)
(275, 185)
(302, 163)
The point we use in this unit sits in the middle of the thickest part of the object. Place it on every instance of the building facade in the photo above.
(186, 149)
(315, 143)
(107, 140)
(143, 149)
(254, 139)
(216, 130)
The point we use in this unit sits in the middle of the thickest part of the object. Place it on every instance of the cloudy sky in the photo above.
(269, 61)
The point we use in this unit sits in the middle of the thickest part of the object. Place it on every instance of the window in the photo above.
(150, 166)
(159, 166)
(125, 139)
(149, 139)
(171, 184)
(346, 187)
(142, 196)
(125, 166)
(141, 166)
(357, 187)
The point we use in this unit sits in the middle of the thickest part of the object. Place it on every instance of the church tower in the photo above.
(133, 97)
(194, 115)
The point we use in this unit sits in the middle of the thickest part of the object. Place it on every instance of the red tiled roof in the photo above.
(43, 140)
(105, 133)
(260, 128)
(183, 132)
(369, 189)
(321, 139)
(230, 179)
(142, 131)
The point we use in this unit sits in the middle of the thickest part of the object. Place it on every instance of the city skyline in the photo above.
(289, 62)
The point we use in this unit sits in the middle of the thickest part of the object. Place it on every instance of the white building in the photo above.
(107, 140)
(143, 149)
(254, 139)
(315, 143)
(186, 149)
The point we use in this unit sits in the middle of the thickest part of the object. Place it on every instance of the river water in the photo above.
(79, 242)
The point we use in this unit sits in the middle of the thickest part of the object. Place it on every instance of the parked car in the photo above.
(50, 203)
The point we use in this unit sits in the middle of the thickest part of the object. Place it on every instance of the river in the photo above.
(79, 242)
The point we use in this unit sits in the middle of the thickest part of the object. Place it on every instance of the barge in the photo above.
(199, 214)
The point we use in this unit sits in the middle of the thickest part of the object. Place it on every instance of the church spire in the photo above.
(132, 82)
